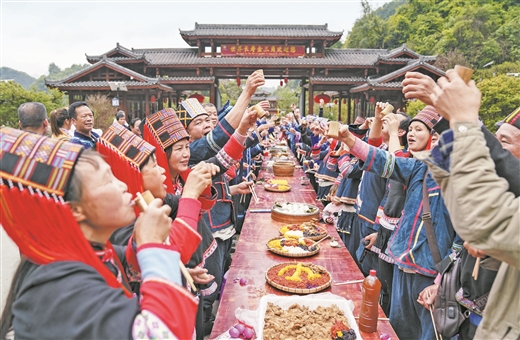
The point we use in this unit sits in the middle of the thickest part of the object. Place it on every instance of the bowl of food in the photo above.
(291, 212)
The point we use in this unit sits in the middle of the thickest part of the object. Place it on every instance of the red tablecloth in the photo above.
(252, 259)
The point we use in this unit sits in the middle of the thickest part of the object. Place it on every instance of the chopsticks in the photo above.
(437, 335)
(349, 282)
(475, 269)
(379, 319)
(142, 201)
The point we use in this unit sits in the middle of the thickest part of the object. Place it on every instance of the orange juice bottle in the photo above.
(369, 306)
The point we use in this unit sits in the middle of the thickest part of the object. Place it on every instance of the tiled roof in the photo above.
(365, 87)
(333, 57)
(386, 80)
(400, 50)
(101, 83)
(337, 79)
(140, 80)
(194, 78)
(261, 31)
(414, 64)
(406, 60)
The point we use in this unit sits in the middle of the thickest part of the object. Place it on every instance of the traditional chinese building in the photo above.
(157, 78)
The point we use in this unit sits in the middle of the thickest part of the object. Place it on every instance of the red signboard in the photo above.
(262, 51)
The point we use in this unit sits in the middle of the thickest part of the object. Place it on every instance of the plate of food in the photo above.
(291, 212)
(308, 230)
(316, 316)
(277, 185)
(292, 247)
(298, 277)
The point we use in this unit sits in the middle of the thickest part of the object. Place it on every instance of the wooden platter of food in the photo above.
(298, 277)
(308, 230)
(292, 247)
(277, 185)
(290, 212)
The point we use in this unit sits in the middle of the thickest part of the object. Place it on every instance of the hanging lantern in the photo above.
(336, 101)
(356, 101)
(323, 96)
(152, 99)
(281, 82)
(286, 80)
(344, 100)
(165, 100)
(198, 96)
(238, 81)
(372, 99)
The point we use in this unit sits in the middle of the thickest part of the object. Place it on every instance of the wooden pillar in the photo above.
(339, 108)
(212, 93)
(71, 98)
(311, 99)
(349, 109)
(146, 103)
(302, 98)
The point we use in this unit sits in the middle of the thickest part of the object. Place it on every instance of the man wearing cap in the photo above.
(82, 117)
(32, 117)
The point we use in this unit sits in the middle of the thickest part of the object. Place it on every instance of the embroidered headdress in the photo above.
(35, 173)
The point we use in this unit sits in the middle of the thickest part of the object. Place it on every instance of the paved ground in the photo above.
(10, 261)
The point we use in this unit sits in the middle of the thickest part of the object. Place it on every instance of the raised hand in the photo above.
(419, 86)
(248, 119)
(254, 81)
(455, 100)
(153, 225)
(199, 179)
(393, 123)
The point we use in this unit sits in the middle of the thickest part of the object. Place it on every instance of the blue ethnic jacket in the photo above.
(408, 245)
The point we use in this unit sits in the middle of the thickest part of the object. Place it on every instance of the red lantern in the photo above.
(238, 81)
(281, 82)
(152, 99)
(198, 96)
(372, 99)
(286, 80)
(323, 96)
(356, 101)
(344, 100)
(336, 101)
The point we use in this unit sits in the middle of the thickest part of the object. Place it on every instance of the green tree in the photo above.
(12, 95)
(53, 69)
(500, 96)
(229, 90)
(287, 95)
(55, 73)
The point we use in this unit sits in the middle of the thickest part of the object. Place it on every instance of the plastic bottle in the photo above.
(369, 306)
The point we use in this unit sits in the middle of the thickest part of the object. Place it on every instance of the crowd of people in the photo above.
(407, 195)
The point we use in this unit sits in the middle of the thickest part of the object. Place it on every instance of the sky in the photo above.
(34, 34)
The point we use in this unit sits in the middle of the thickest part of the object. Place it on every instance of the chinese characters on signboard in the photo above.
(262, 51)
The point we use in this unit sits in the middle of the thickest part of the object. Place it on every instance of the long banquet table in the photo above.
(252, 259)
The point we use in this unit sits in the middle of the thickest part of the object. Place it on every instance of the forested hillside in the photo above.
(481, 34)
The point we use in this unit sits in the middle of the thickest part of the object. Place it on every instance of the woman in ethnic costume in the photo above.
(60, 204)
(408, 246)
